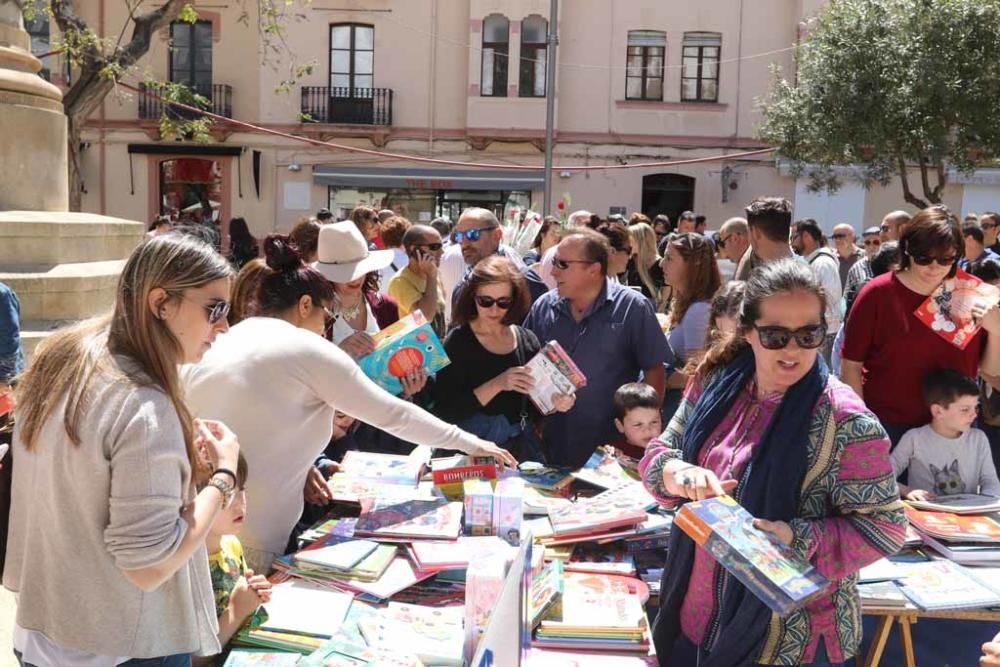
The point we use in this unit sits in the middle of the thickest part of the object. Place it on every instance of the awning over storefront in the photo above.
(428, 179)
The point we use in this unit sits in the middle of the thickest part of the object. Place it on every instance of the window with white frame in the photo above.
(496, 52)
(700, 75)
(644, 65)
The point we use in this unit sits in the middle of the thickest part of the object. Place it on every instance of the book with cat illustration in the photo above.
(948, 310)
(769, 569)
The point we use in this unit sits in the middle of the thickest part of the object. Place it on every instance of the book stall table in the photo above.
(450, 562)
(905, 618)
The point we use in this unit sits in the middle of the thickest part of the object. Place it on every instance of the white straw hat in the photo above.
(344, 255)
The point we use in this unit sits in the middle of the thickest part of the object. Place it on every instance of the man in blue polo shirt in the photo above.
(611, 333)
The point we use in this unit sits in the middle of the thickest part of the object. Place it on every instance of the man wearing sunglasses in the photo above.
(734, 239)
(892, 225)
(478, 235)
(975, 245)
(611, 333)
(416, 285)
(990, 222)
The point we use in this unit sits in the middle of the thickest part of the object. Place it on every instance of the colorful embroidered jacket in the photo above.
(849, 515)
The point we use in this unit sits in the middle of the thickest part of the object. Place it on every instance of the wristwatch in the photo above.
(227, 488)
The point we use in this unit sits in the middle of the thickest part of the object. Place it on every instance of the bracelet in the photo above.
(226, 471)
(227, 490)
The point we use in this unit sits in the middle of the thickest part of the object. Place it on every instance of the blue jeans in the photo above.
(179, 660)
(687, 654)
(520, 441)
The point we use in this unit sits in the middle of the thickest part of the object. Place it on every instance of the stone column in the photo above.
(33, 172)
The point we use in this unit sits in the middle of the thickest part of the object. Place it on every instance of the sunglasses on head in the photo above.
(777, 338)
(563, 264)
(470, 235)
(925, 260)
(433, 247)
(503, 303)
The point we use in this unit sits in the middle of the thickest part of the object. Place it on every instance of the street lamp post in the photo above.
(552, 39)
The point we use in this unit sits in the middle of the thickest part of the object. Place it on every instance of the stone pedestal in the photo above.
(62, 266)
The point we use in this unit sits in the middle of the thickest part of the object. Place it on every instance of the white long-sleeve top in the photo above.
(277, 387)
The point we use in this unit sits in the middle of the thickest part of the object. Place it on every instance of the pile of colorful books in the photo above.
(963, 538)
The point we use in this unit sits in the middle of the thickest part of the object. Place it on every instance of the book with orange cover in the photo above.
(948, 310)
(955, 527)
(769, 569)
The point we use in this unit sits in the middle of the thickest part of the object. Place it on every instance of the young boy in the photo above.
(947, 456)
(238, 591)
(637, 417)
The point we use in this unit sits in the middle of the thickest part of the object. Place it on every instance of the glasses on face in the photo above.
(503, 303)
(563, 264)
(433, 247)
(988, 225)
(872, 242)
(840, 235)
(471, 235)
(925, 260)
(724, 240)
(777, 338)
(885, 228)
(217, 311)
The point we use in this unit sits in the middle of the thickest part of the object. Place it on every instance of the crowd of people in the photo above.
(758, 360)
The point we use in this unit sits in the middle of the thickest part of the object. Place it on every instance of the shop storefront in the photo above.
(423, 194)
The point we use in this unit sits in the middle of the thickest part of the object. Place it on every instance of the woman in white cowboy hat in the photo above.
(277, 383)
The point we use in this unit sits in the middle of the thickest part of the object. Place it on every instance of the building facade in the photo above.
(462, 81)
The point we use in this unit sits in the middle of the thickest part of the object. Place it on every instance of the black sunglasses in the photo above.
(503, 303)
(563, 264)
(433, 247)
(924, 260)
(777, 338)
(217, 310)
(841, 236)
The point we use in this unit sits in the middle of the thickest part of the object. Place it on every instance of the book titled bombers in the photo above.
(770, 570)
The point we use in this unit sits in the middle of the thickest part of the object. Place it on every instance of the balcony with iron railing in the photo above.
(347, 106)
(151, 103)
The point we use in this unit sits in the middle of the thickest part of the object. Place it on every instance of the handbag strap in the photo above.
(519, 355)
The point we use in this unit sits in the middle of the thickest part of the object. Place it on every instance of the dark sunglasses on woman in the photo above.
(777, 338)
(504, 302)
(925, 260)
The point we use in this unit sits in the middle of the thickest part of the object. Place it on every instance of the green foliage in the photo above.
(885, 83)
(188, 14)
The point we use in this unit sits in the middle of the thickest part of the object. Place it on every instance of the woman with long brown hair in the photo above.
(104, 512)
(689, 268)
(366, 219)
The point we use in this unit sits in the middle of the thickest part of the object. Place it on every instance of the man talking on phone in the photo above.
(416, 287)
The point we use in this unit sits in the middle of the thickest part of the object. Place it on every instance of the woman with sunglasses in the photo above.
(367, 221)
(279, 383)
(764, 421)
(886, 343)
(485, 387)
(105, 519)
(621, 248)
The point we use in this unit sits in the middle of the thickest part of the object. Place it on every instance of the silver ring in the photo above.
(686, 481)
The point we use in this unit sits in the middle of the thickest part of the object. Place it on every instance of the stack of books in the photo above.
(434, 634)
(595, 613)
(414, 519)
(289, 622)
(616, 512)
(963, 538)
(941, 585)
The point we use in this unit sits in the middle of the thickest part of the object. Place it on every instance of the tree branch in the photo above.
(942, 181)
(904, 178)
(925, 180)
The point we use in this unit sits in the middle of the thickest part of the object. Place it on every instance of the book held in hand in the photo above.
(554, 373)
(769, 569)
(402, 348)
(948, 310)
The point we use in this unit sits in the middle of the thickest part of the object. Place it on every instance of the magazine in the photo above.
(554, 373)
(948, 310)
(402, 348)
(959, 503)
(769, 569)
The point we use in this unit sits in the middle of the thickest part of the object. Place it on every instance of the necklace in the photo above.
(352, 312)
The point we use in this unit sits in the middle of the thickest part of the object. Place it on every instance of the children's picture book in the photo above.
(959, 503)
(433, 634)
(292, 609)
(614, 508)
(343, 556)
(346, 488)
(882, 595)
(769, 569)
(249, 657)
(539, 503)
(439, 519)
(948, 310)
(941, 584)
(508, 509)
(546, 478)
(387, 468)
(406, 346)
(949, 527)
(454, 470)
(554, 373)
(596, 612)
(440, 555)
(603, 470)
(546, 589)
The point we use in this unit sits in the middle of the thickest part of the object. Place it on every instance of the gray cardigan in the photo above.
(82, 514)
